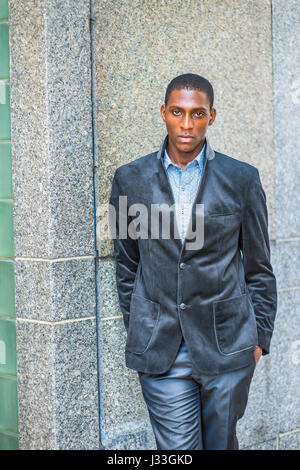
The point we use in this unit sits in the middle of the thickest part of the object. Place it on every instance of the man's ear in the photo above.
(213, 114)
(163, 112)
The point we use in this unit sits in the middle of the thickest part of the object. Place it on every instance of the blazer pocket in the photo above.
(218, 214)
(235, 324)
(143, 320)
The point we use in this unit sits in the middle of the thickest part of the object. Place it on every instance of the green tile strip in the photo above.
(8, 362)
(4, 110)
(9, 441)
(4, 51)
(7, 289)
(8, 402)
(5, 170)
(6, 228)
(3, 9)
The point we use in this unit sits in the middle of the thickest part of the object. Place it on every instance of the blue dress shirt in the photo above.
(184, 184)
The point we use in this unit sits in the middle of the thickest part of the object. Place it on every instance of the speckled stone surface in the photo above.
(109, 300)
(57, 385)
(290, 441)
(260, 421)
(136, 436)
(286, 358)
(286, 92)
(76, 386)
(123, 410)
(36, 385)
(287, 263)
(286, 63)
(51, 114)
(267, 445)
(140, 47)
(55, 291)
(274, 405)
(129, 441)
(51, 127)
(145, 46)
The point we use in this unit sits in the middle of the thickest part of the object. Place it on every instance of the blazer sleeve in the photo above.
(259, 276)
(126, 251)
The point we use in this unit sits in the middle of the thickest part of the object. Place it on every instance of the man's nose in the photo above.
(186, 122)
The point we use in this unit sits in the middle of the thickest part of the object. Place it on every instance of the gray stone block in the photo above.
(129, 441)
(267, 445)
(76, 386)
(286, 65)
(54, 291)
(57, 385)
(35, 386)
(290, 441)
(140, 55)
(51, 128)
(260, 421)
(109, 300)
(286, 360)
(131, 436)
(53, 195)
(122, 404)
(287, 263)
(273, 404)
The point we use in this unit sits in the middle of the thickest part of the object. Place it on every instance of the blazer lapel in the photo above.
(166, 189)
(165, 193)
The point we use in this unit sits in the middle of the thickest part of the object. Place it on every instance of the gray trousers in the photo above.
(186, 414)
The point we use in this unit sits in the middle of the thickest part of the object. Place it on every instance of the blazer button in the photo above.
(182, 306)
(182, 265)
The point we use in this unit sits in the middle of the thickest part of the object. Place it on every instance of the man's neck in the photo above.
(182, 158)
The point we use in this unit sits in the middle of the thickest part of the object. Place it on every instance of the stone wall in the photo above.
(8, 356)
(85, 98)
(54, 224)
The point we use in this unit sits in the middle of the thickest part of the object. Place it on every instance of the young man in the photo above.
(198, 315)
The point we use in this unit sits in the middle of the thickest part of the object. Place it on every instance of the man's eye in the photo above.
(176, 112)
(199, 114)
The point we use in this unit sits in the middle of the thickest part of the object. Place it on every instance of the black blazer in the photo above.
(222, 297)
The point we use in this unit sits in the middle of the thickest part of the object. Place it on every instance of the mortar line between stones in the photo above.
(283, 289)
(61, 322)
(289, 432)
(290, 239)
(111, 318)
(67, 258)
(96, 199)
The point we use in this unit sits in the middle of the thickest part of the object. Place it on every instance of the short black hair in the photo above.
(191, 81)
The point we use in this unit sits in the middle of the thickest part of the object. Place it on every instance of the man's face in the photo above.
(187, 117)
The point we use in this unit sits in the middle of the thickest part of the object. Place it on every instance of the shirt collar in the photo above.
(196, 160)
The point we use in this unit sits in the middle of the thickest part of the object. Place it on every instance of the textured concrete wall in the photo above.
(8, 354)
(273, 414)
(139, 48)
(248, 50)
(53, 214)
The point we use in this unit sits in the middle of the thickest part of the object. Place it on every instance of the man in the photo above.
(198, 316)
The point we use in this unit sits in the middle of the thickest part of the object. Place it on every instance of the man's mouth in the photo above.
(185, 138)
